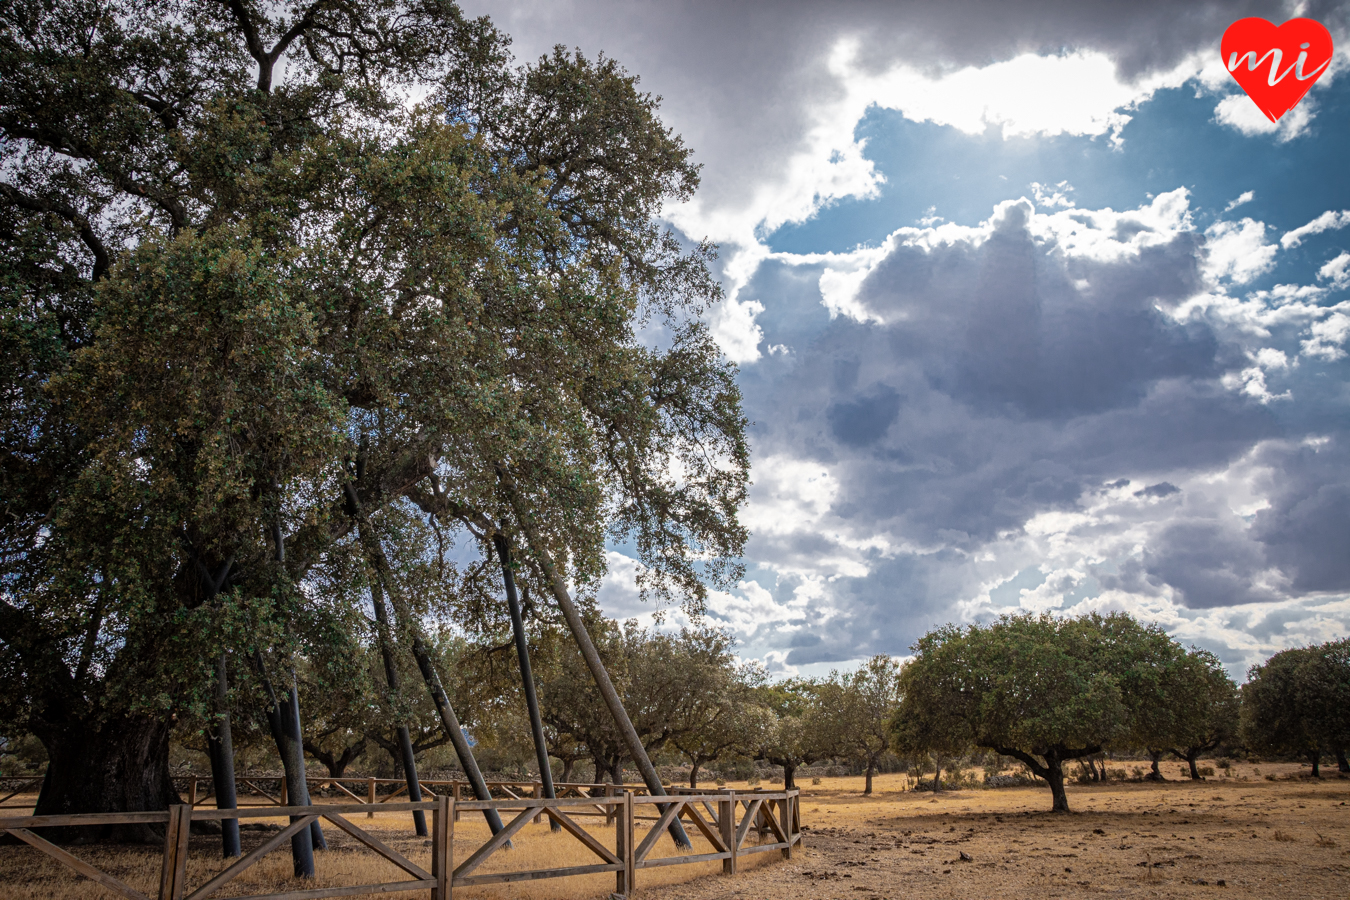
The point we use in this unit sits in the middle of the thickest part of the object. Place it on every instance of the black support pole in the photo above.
(220, 743)
(526, 675)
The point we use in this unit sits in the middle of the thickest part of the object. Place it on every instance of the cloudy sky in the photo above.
(1034, 310)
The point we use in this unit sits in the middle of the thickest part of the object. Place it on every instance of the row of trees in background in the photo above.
(1045, 690)
(1042, 691)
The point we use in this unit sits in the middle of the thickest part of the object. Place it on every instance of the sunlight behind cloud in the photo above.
(1074, 93)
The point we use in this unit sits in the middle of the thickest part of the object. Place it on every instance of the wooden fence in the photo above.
(724, 818)
(372, 791)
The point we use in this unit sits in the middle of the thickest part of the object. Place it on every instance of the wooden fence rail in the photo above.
(766, 812)
(25, 785)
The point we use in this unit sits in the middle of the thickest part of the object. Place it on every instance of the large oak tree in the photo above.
(270, 270)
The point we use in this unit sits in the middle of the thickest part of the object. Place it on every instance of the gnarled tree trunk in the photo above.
(120, 765)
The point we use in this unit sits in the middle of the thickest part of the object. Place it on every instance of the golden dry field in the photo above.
(1238, 837)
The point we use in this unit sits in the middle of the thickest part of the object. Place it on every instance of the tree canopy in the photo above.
(1040, 689)
(1298, 703)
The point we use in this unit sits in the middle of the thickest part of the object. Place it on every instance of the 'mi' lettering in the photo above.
(1275, 55)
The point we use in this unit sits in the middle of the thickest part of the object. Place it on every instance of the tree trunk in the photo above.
(220, 745)
(871, 767)
(1054, 774)
(121, 766)
(1316, 757)
(1195, 770)
(569, 764)
(1342, 764)
(450, 722)
(526, 675)
(1155, 774)
(937, 774)
(693, 776)
(1052, 771)
(337, 764)
(622, 722)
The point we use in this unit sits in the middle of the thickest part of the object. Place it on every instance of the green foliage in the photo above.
(1297, 702)
(681, 690)
(1037, 688)
(855, 710)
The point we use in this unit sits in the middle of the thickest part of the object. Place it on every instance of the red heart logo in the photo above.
(1276, 66)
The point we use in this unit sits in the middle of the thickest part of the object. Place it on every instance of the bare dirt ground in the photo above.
(1238, 837)
(1225, 838)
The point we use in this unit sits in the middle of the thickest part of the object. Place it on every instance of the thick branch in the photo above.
(267, 59)
(101, 260)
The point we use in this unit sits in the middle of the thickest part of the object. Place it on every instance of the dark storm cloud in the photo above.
(1000, 326)
(1209, 564)
(863, 421)
(740, 79)
(1306, 529)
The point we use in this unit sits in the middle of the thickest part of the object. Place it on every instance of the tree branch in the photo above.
(91, 240)
(267, 59)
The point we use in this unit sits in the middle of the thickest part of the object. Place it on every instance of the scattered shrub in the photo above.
(1283, 838)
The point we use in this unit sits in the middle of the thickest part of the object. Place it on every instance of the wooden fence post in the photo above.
(370, 796)
(610, 811)
(537, 791)
(167, 867)
(285, 798)
(726, 825)
(625, 846)
(173, 872)
(192, 791)
(442, 842)
(785, 820)
(454, 792)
